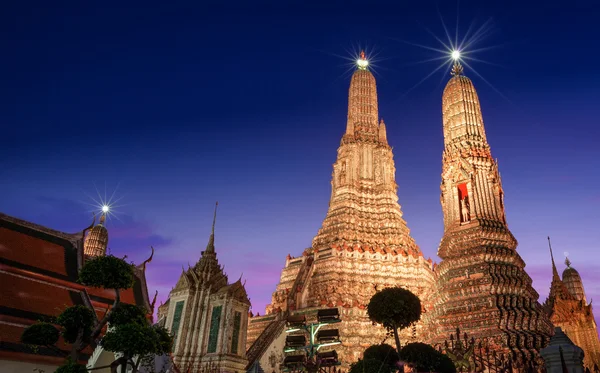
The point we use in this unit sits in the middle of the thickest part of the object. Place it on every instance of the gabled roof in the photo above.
(236, 291)
(184, 282)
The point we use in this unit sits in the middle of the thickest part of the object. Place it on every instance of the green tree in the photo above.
(132, 335)
(394, 308)
(80, 327)
(425, 358)
(384, 353)
(369, 366)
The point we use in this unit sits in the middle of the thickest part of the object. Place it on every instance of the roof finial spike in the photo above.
(457, 69)
(143, 265)
(154, 301)
(568, 262)
(215, 217)
(210, 248)
(554, 270)
(362, 61)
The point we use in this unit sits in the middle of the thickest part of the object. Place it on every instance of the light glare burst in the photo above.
(104, 204)
(362, 63)
(454, 51)
(358, 56)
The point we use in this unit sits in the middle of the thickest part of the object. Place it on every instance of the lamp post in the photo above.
(311, 360)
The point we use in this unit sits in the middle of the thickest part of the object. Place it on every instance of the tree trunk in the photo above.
(397, 338)
(115, 365)
(124, 364)
(77, 346)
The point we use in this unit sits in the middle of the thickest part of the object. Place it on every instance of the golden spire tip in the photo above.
(457, 69)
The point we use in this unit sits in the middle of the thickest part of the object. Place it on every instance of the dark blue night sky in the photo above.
(174, 106)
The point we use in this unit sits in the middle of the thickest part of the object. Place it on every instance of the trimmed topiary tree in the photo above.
(394, 308)
(425, 358)
(131, 335)
(369, 366)
(130, 332)
(383, 353)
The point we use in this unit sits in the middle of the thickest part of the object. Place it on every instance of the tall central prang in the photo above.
(364, 244)
(482, 284)
(364, 210)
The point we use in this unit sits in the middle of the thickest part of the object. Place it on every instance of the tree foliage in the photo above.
(394, 308)
(370, 366)
(108, 272)
(426, 358)
(40, 334)
(76, 320)
(382, 352)
(71, 367)
(125, 313)
(165, 339)
(130, 334)
(135, 339)
(131, 339)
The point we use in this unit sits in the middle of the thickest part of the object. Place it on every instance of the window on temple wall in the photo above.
(235, 336)
(176, 320)
(213, 335)
(463, 199)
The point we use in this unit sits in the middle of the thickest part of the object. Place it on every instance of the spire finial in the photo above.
(362, 62)
(215, 217)
(457, 69)
(210, 248)
(568, 262)
(554, 270)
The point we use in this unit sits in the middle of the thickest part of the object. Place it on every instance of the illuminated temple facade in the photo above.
(482, 285)
(364, 244)
(569, 309)
(207, 317)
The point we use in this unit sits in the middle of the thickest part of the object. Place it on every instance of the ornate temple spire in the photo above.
(557, 287)
(555, 275)
(364, 210)
(96, 241)
(573, 282)
(477, 242)
(207, 269)
(363, 114)
(363, 240)
(471, 186)
(210, 248)
(461, 110)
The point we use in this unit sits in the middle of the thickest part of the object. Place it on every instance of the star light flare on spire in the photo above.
(103, 204)
(455, 52)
